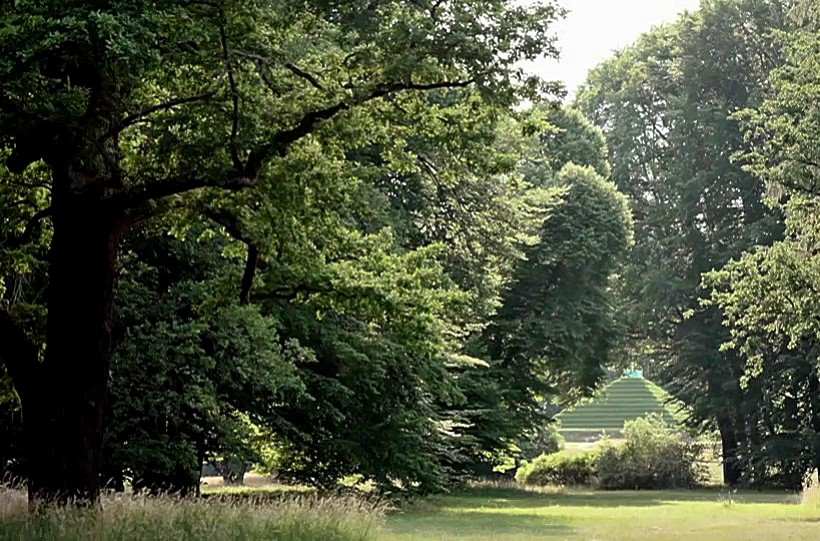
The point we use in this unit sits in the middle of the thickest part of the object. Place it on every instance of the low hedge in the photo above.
(562, 468)
(654, 455)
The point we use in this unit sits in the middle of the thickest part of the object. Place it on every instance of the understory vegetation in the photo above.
(127, 518)
(559, 469)
(651, 455)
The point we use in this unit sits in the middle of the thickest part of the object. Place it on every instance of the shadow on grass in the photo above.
(479, 524)
(518, 498)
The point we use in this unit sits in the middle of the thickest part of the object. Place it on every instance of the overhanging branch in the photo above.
(174, 186)
(282, 141)
(234, 229)
(296, 70)
(139, 116)
(226, 54)
(32, 226)
(248, 274)
(277, 146)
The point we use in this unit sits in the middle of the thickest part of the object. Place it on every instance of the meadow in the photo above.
(512, 514)
(481, 513)
(252, 517)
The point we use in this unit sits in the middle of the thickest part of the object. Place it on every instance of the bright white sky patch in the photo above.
(595, 28)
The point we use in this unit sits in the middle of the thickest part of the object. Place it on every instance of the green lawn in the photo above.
(510, 514)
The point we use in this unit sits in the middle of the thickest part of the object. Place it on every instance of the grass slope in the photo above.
(517, 515)
(624, 399)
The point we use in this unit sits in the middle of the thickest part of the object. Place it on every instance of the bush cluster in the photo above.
(562, 468)
(653, 456)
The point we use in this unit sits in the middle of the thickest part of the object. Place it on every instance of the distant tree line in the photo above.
(712, 129)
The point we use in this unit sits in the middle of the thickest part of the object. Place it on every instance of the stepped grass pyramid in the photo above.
(624, 399)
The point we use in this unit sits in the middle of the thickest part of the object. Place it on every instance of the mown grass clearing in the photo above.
(509, 514)
(254, 485)
(478, 514)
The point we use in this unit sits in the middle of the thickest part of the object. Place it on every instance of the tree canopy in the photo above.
(279, 232)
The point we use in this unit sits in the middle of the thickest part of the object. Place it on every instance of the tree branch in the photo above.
(174, 186)
(228, 221)
(282, 141)
(31, 228)
(251, 263)
(148, 111)
(226, 56)
(234, 229)
(314, 82)
(277, 146)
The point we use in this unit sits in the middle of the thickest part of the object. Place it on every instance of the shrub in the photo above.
(561, 468)
(153, 519)
(654, 456)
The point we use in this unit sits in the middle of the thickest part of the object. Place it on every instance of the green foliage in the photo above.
(654, 455)
(191, 367)
(346, 153)
(666, 105)
(768, 296)
(769, 301)
(380, 337)
(339, 164)
(559, 469)
(556, 321)
(543, 440)
(555, 326)
(563, 136)
(780, 130)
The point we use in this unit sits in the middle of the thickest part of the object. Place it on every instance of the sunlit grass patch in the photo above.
(505, 513)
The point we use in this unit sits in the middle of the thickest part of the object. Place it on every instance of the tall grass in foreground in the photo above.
(129, 518)
(810, 497)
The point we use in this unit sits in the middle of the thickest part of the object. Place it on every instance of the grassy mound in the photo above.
(622, 400)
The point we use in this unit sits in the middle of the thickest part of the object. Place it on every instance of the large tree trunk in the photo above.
(729, 449)
(64, 411)
(814, 400)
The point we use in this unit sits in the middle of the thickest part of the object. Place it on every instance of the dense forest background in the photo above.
(327, 239)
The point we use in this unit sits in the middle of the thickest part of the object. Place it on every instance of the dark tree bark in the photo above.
(251, 263)
(756, 474)
(17, 353)
(732, 471)
(814, 398)
(64, 412)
